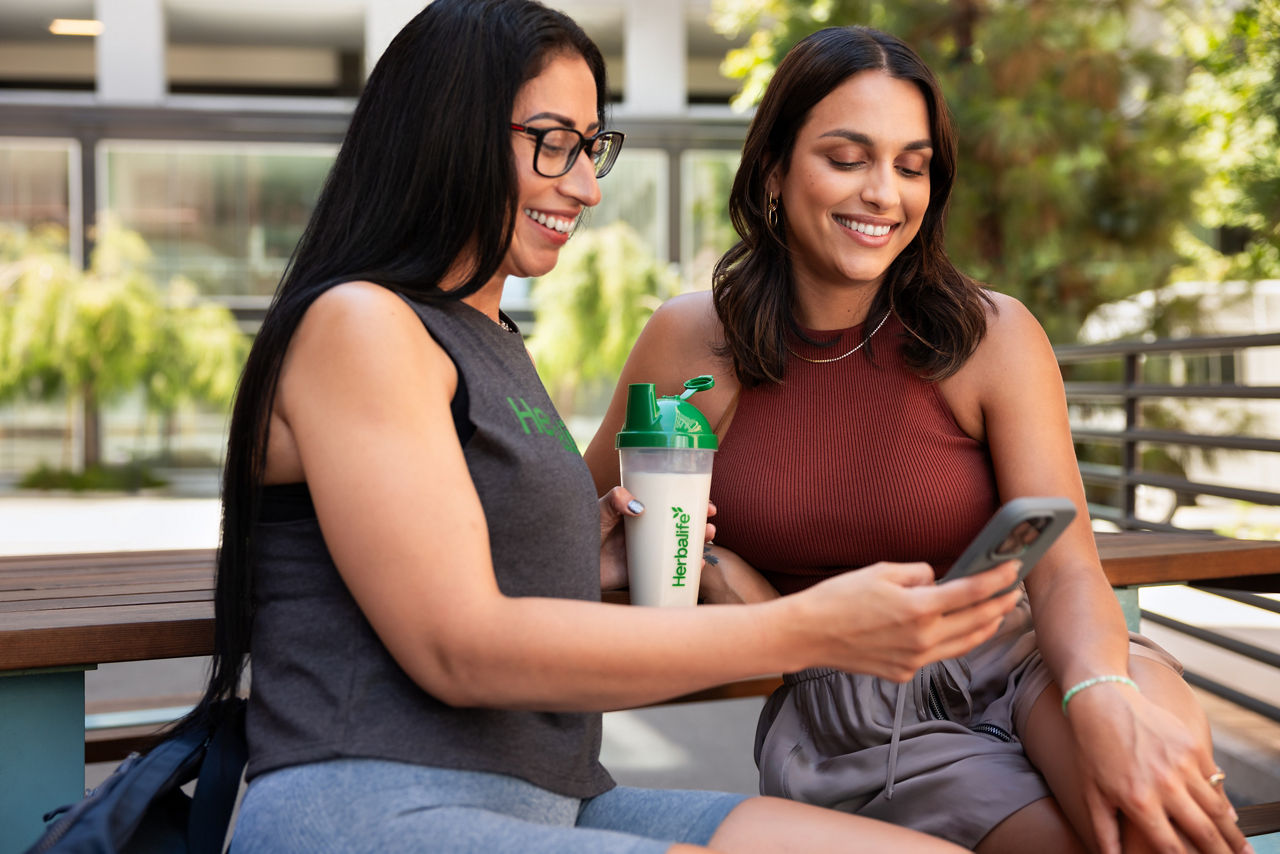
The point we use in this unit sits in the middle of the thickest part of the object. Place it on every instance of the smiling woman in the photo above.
(874, 403)
(412, 550)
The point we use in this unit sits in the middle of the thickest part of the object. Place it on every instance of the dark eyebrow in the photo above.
(863, 139)
(564, 120)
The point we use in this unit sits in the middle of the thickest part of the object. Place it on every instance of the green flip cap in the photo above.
(668, 421)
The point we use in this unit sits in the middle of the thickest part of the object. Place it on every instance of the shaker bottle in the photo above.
(665, 450)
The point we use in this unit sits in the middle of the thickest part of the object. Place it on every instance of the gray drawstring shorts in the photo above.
(941, 754)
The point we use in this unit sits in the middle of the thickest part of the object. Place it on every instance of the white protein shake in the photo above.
(664, 544)
(665, 452)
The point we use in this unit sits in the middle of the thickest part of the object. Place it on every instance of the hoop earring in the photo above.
(771, 214)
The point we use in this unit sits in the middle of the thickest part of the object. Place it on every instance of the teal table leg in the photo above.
(1128, 597)
(1269, 844)
(41, 750)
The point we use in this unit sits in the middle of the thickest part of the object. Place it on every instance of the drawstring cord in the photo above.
(956, 674)
(892, 771)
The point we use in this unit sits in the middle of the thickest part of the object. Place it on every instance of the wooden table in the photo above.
(1148, 557)
(83, 610)
(62, 615)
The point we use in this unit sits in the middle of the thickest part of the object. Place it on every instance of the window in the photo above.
(39, 185)
(705, 230)
(227, 216)
(635, 191)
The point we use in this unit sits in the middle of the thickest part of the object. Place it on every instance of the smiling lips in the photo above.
(555, 223)
(864, 228)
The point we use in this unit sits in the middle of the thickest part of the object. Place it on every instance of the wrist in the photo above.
(1096, 688)
(796, 643)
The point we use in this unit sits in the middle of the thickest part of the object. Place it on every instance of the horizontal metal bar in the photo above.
(1118, 391)
(1087, 352)
(138, 717)
(1239, 647)
(1180, 484)
(1101, 472)
(1173, 437)
(1253, 600)
(1133, 523)
(1253, 704)
(1106, 512)
(1110, 475)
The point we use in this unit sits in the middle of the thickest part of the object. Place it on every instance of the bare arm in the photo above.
(674, 346)
(1014, 380)
(365, 393)
(1134, 755)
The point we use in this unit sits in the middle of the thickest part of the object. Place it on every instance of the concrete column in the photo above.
(382, 20)
(131, 51)
(655, 53)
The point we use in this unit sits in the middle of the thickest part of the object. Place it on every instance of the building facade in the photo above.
(207, 126)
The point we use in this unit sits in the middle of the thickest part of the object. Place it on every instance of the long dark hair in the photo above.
(942, 309)
(425, 176)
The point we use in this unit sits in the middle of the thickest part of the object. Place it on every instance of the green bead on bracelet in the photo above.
(1097, 680)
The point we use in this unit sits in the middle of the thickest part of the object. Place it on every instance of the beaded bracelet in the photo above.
(1097, 680)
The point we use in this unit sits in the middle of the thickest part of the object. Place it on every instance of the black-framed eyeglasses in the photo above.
(557, 149)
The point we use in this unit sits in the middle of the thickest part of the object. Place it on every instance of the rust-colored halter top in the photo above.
(847, 463)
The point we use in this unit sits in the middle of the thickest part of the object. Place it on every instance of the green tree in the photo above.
(100, 333)
(591, 308)
(1233, 102)
(196, 357)
(1074, 175)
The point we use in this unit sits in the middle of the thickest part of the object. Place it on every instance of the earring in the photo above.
(771, 215)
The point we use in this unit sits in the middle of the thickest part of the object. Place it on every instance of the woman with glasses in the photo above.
(413, 552)
(876, 403)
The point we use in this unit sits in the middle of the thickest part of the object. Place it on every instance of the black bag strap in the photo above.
(218, 783)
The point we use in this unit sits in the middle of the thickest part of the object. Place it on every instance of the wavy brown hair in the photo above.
(943, 310)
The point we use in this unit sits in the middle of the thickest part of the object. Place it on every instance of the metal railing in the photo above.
(1130, 386)
(1130, 389)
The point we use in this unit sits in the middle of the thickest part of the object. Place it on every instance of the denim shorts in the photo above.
(355, 805)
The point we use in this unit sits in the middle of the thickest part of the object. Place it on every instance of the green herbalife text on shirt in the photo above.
(533, 420)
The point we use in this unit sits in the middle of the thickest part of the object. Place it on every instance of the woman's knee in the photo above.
(1165, 687)
(776, 824)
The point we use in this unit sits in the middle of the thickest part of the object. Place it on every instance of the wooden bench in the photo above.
(63, 614)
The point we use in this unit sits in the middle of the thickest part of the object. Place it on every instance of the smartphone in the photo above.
(1022, 529)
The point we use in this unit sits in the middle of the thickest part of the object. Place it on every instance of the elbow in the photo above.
(458, 685)
(454, 672)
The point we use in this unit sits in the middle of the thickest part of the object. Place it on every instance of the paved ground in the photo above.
(704, 745)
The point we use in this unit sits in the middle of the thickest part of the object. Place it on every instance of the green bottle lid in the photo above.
(666, 422)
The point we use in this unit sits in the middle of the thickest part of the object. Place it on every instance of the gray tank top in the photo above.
(323, 685)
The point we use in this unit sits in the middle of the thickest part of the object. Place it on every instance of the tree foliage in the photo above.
(592, 306)
(1233, 100)
(100, 333)
(1077, 167)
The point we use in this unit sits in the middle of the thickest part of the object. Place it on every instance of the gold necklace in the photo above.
(850, 353)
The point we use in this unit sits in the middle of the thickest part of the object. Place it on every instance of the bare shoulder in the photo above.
(690, 316)
(1013, 336)
(1012, 356)
(363, 317)
(356, 305)
(361, 336)
(682, 336)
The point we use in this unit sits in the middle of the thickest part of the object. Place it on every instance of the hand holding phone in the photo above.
(1023, 529)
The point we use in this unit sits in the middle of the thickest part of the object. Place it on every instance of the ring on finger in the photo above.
(1217, 778)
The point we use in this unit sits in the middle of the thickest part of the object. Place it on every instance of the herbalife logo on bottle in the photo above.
(681, 520)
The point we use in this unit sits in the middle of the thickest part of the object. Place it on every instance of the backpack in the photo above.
(141, 808)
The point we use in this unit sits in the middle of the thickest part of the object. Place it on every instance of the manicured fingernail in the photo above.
(635, 506)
